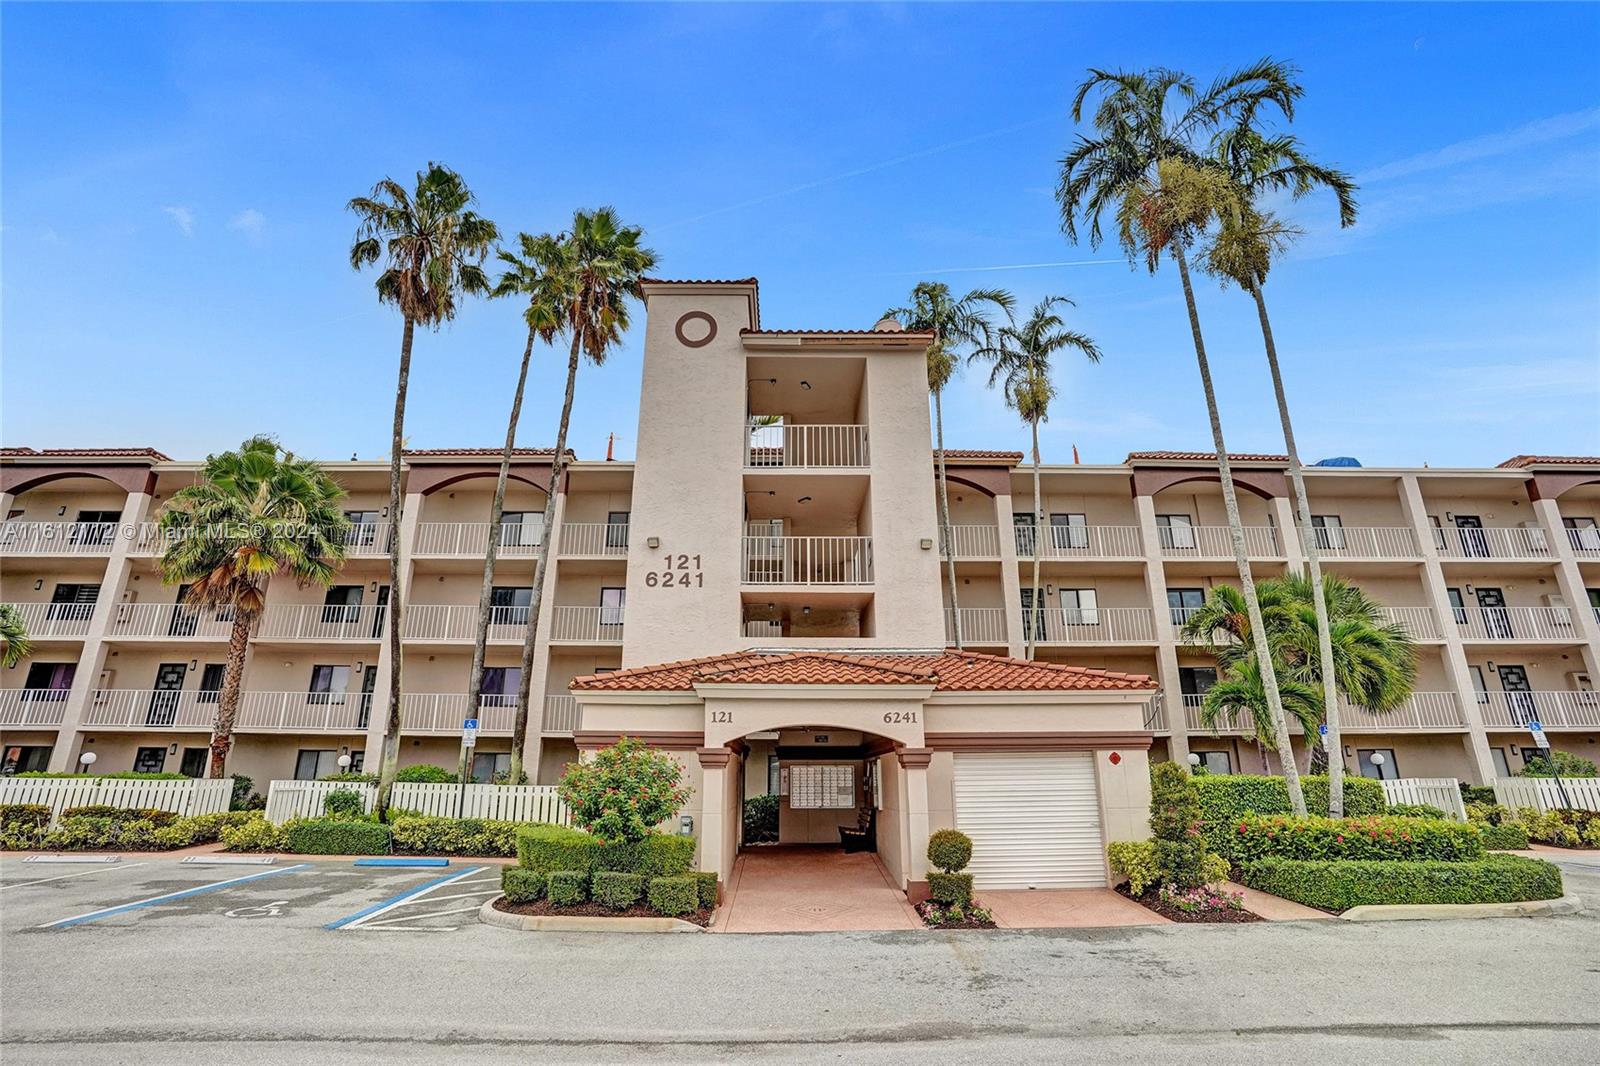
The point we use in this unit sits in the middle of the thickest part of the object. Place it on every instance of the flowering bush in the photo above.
(1380, 838)
(1202, 900)
(623, 792)
(1175, 823)
(1567, 828)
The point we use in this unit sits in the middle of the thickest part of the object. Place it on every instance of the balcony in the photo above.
(805, 447)
(560, 714)
(1083, 542)
(57, 538)
(45, 620)
(1516, 624)
(807, 561)
(1492, 542)
(971, 542)
(586, 625)
(1366, 542)
(175, 621)
(1585, 541)
(1090, 625)
(304, 712)
(443, 712)
(979, 625)
(32, 707)
(142, 708)
(1419, 623)
(446, 623)
(471, 539)
(1423, 712)
(1242, 722)
(594, 540)
(364, 539)
(1570, 709)
(1216, 542)
(316, 622)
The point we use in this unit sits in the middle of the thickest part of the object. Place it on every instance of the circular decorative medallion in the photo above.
(691, 334)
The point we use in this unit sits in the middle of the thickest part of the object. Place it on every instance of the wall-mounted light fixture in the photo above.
(359, 665)
(803, 499)
(1470, 591)
(926, 544)
(173, 749)
(39, 584)
(62, 510)
(805, 385)
(372, 587)
(652, 542)
(806, 609)
(194, 664)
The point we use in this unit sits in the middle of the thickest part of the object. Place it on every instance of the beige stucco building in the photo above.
(776, 540)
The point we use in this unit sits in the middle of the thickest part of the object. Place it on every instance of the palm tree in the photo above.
(596, 267)
(1020, 359)
(254, 513)
(954, 324)
(15, 645)
(1143, 164)
(433, 246)
(1242, 253)
(529, 275)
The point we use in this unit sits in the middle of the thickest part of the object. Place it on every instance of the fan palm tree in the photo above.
(1019, 360)
(954, 324)
(535, 276)
(1243, 253)
(1145, 165)
(253, 514)
(432, 246)
(596, 267)
(15, 645)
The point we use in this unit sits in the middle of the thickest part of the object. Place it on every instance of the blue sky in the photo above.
(174, 242)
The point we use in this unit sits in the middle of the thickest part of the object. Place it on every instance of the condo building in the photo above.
(763, 593)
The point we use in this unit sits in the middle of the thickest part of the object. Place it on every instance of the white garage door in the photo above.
(1034, 820)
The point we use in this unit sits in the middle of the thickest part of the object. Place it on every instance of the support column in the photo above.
(545, 574)
(1455, 656)
(1288, 531)
(717, 842)
(1155, 583)
(1569, 579)
(914, 766)
(1010, 579)
(92, 658)
(405, 542)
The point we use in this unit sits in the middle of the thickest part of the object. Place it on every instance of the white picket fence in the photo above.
(1542, 794)
(1441, 792)
(183, 798)
(504, 803)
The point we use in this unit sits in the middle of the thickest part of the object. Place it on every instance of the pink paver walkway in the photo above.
(795, 889)
(1065, 908)
(1276, 908)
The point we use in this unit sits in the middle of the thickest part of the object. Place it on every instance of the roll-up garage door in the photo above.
(1034, 819)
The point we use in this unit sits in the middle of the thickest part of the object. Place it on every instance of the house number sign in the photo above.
(678, 571)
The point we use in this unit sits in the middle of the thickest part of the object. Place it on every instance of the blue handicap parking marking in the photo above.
(167, 897)
(415, 893)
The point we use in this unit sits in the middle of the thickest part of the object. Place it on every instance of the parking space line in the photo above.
(419, 917)
(359, 918)
(80, 873)
(106, 912)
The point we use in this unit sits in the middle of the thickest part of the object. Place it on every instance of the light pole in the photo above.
(88, 759)
(1377, 761)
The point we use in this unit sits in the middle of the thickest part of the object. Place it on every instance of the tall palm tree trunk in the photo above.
(1230, 500)
(519, 730)
(1038, 529)
(1308, 543)
(496, 510)
(228, 701)
(391, 729)
(944, 517)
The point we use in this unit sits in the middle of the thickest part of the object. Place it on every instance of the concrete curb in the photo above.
(1535, 908)
(575, 923)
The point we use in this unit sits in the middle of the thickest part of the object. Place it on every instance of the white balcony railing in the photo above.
(1090, 625)
(21, 707)
(1241, 722)
(443, 712)
(979, 625)
(1418, 622)
(304, 712)
(560, 714)
(595, 538)
(57, 538)
(807, 560)
(55, 619)
(142, 708)
(1366, 542)
(1082, 542)
(1155, 714)
(588, 625)
(317, 622)
(176, 621)
(361, 539)
(1515, 623)
(1216, 542)
(761, 628)
(810, 446)
(1570, 709)
(973, 542)
(471, 539)
(1585, 541)
(1423, 712)
(1492, 542)
(448, 622)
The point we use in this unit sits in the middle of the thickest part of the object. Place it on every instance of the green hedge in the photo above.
(706, 882)
(1563, 828)
(673, 896)
(338, 836)
(950, 850)
(761, 819)
(1416, 810)
(1136, 860)
(547, 848)
(125, 775)
(1510, 837)
(521, 886)
(125, 831)
(1225, 798)
(616, 890)
(429, 835)
(950, 888)
(255, 834)
(1378, 838)
(567, 887)
(1344, 884)
(23, 825)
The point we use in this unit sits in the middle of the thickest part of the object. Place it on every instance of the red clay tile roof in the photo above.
(90, 453)
(979, 453)
(698, 281)
(1519, 461)
(836, 333)
(476, 452)
(1200, 457)
(949, 670)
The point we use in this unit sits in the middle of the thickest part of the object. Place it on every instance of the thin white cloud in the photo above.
(183, 217)
(1010, 266)
(1540, 131)
(249, 222)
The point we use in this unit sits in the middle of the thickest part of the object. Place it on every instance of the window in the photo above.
(363, 529)
(826, 786)
(486, 766)
(500, 686)
(328, 684)
(612, 602)
(1039, 620)
(772, 775)
(1594, 602)
(1458, 606)
(1196, 680)
(73, 601)
(1184, 602)
(25, 759)
(1069, 532)
(508, 605)
(1216, 762)
(1388, 771)
(1079, 607)
(1502, 768)
(194, 762)
(1478, 683)
(521, 529)
(312, 763)
(1175, 530)
(617, 530)
(48, 682)
(211, 683)
(1329, 531)
(342, 603)
(1023, 526)
(1583, 533)
(95, 527)
(150, 760)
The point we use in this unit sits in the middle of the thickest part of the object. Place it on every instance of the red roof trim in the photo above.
(1517, 462)
(1201, 457)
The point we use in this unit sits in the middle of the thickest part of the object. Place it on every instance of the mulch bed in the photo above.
(1152, 901)
(968, 922)
(596, 910)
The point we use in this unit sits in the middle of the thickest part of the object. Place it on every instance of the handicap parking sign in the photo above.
(1536, 729)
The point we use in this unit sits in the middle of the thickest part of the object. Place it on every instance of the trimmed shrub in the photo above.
(761, 819)
(338, 836)
(121, 814)
(124, 775)
(521, 886)
(200, 828)
(1180, 847)
(1340, 885)
(950, 888)
(428, 835)
(1378, 839)
(239, 799)
(1225, 798)
(1557, 763)
(1476, 793)
(950, 850)
(23, 825)
(623, 792)
(425, 773)
(1491, 812)
(1562, 828)
(674, 895)
(342, 803)
(255, 834)
(1136, 860)
(1511, 837)
(618, 891)
(657, 855)
(545, 848)
(706, 882)
(1416, 810)
(567, 887)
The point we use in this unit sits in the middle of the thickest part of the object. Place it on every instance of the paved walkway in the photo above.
(794, 889)
(1276, 908)
(1065, 908)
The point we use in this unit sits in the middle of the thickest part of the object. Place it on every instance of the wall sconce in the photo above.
(39, 584)
(173, 750)
(359, 665)
(1049, 590)
(1491, 667)
(1470, 591)
(372, 587)
(805, 385)
(194, 664)
(926, 544)
(383, 512)
(1449, 516)
(806, 609)
(61, 511)
(652, 542)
